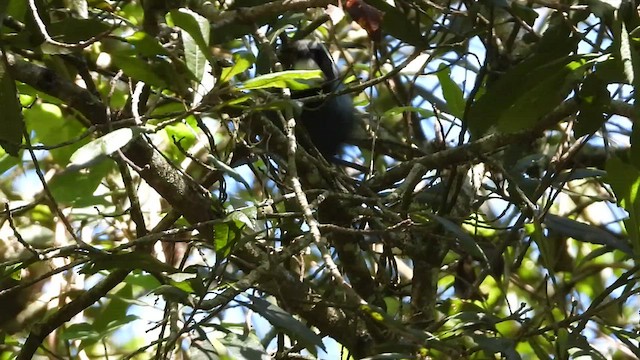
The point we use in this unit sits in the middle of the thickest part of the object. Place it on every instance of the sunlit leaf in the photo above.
(292, 79)
(228, 232)
(102, 147)
(242, 61)
(451, 91)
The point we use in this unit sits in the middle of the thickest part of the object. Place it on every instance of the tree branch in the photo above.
(250, 15)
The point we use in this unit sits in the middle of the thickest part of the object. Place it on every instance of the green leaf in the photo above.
(7, 161)
(545, 245)
(585, 232)
(402, 109)
(228, 232)
(51, 127)
(466, 241)
(77, 188)
(292, 79)
(195, 37)
(102, 147)
(3, 10)
(531, 89)
(634, 139)
(172, 293)
(626, 51)
(11, 121)
(242, 60)
(594, 101)
(495, 345)
(89, 334)
(451, 91)
(112, 316)
(115, 309)
(625, 181)
(74, 30)
(183, 133)
(524, 12)
(523, 95)
(80, 331)
(145, 44)
(147, 282)
(397, 24)
(139, 69)
(286, 322)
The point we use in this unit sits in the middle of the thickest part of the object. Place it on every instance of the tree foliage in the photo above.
(156, 204)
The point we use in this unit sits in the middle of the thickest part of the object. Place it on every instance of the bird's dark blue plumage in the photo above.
(330, 121)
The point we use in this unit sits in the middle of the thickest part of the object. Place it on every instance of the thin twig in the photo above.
(16, 233)
(54, 204)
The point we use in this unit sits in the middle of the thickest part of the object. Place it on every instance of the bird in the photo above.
(330, 121)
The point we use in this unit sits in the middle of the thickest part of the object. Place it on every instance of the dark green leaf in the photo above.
(466, 241)
(498, 345)
(286, 322)
(3, 11)
(232, 346)
(585, 232)
(594, 101)
(524, 12)
(74, 30)
(397, 24)
(112, 316)
(130, 261)
(625, 182)
(523, 95)
(115, 310)
(149, 72)
(11, 121)
(634, 139)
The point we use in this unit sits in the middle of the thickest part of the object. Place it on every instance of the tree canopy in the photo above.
(162, 200)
